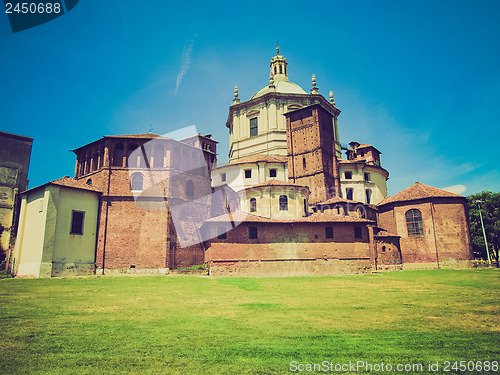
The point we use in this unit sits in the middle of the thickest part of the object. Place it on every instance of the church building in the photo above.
(286, 204)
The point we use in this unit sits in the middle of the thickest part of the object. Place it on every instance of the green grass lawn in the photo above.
(200, 325)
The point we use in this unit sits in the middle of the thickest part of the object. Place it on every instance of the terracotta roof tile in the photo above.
(240, 216)
(384, 233)
(337, 200)
(68, 182)
(71, 182)
(419, 191)
(146, 136)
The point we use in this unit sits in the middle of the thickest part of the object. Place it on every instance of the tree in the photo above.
(490, 210)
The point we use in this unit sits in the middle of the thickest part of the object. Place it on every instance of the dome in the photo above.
(282, 86)
(279, 78)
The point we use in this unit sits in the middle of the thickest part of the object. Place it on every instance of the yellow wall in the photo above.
(267, 201)
(235, 174)
(30, 235)
(271, 138)
(44, 246)
(377, 183)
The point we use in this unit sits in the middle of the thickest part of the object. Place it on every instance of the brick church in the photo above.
(286, 203)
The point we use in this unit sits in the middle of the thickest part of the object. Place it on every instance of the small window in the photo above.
(272, 172)
(254, 128)
(368, 195)
(136, 182)
(223, 233)
(329, 232)
(367, 177)
(252, 233)
(223, 177)
(77, 218)
(349, 193)
(89, 182)
(304, 163)
(189, 189)
(253, 204)
(383, 249)
(283, 203)
(357, 232)
(348, 175)
(414, 223)
(248, 173)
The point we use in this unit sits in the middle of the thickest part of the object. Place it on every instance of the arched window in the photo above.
(253, 204)
(118, 155)
(89, 182)
(281, 69)
(414, 222)
(189, 189)
(283, 203)
(136, 182)
(304, 163)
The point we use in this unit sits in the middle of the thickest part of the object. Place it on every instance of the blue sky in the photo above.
(420, 80)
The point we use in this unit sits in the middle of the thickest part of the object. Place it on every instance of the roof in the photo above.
(15, 136)
(384, 233)
(275, 182)
(419, 191)
(337, 200)
(261, 158)
(67, 181)
(240, 216)
(282, 86)
(146, 136)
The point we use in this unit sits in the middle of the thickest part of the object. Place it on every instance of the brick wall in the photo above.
(445, 230)
(136, 228)
(311, 152)
(289, 249)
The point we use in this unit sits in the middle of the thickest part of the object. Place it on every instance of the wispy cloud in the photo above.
(185, 63)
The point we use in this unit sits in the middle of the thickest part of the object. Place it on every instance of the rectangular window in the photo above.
(349, 193)
(254, 128)
(368, 195)
(252, 233)
(348, 175)
(253, 204)
(329, 232)
(223, 233)
(223, 177)
(357, 232)
(367, 177)
(77, 218)
(248, 173)
(272, 173)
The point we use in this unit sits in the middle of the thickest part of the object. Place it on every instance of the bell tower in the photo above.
(311, 150)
